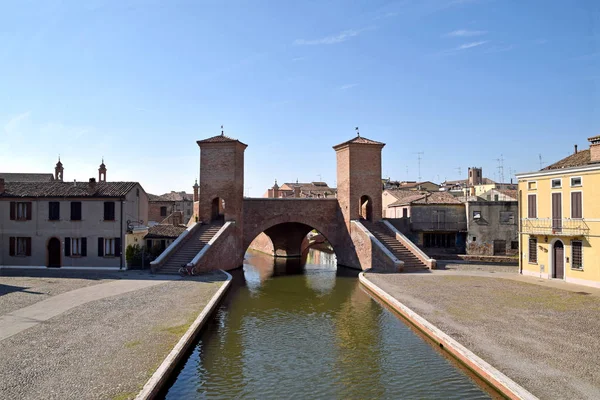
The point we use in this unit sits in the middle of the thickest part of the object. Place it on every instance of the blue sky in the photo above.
(138, 82)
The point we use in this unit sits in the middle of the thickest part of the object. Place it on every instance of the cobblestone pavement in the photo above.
(543, 335)
(105, 348)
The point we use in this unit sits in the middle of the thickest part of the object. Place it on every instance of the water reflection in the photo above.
(306, 329)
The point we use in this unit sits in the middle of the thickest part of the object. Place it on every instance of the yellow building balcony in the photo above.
(555, 226)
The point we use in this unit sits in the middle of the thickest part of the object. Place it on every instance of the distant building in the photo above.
(499, 195)
(475, 185)
(162, 235)
(560, 225)
(410, 185)
(173, 208)
(56, 223)
(318, 190)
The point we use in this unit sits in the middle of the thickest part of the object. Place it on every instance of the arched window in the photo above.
(218, 209)
(366, 208)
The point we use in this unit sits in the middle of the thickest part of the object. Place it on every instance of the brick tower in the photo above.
(359, 179)
(221, 179)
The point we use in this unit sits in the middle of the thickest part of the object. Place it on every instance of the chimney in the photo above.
(594, 149)
(92, 186)
(2, 185)
(575, 149)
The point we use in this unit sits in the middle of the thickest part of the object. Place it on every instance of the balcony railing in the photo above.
(439, 226)
(555, 226)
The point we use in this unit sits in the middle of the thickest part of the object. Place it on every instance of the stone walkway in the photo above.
(542, 334)
(95, 338)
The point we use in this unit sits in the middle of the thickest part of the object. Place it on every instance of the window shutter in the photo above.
(28, 244)
(13, 209)
(11, 244)
(83, 247)
(67, 246)
(28, 210)
(100, 247)
(117, 247)
(576, 207)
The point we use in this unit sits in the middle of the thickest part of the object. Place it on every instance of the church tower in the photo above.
(58, 171)
(102, 172)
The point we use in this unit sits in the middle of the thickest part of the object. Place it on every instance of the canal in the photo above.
(307, 329)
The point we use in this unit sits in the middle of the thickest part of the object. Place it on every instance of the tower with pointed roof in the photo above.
(359, 188)
(102, 172)
(221, 179)
(58, 171)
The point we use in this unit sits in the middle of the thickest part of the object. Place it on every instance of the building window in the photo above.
(163, 211)
(507, 218)
(531, 206)
(532, 185)
(109, 210)
(533, 250)
(75, 211)
(53, 211)
(495, 197)
(576, 181)
(19, 246)
(556, 183)
(76, 247)
(576, 205)
(476, 214)
(576, 254)
(20, 210)
(109, 247)
(474, 238)
(514, 245)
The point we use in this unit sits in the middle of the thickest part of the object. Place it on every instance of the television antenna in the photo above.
(419, 158)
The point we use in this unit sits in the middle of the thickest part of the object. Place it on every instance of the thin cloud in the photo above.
(348, 86)
(471, 45)
(333, 39)
(296, 59)
(465, 33)
(12, 126)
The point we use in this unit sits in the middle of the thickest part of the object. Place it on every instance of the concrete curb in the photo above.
(506, 386)
(162, 374)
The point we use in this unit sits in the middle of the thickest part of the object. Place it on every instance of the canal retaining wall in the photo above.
(158, 380)
(506, 386)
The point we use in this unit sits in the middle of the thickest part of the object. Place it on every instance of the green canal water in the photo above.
(307, 329)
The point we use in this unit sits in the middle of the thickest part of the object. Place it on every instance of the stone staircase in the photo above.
(189, 249)
(388, 239)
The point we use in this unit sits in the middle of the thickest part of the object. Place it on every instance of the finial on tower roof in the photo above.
(222, 131)
(357, 132)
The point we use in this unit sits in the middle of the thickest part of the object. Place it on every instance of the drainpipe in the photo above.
(122, 237)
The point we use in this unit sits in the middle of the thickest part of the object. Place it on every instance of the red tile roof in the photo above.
(426, 198)
(66, 189)
(25, 177)
(164, 231)
(359, 140)
(219, 139)
(574, 160)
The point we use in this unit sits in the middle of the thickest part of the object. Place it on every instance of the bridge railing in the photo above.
(173, 247)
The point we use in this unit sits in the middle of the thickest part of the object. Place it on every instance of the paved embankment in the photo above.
(542, 335)
(98, 338)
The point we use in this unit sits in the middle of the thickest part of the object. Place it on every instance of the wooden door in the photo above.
(559, 260)
(54, 252)
(556, 212)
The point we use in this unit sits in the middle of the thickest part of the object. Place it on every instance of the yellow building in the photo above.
(559, 208)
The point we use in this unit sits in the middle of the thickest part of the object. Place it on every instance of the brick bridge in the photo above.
(227, 223)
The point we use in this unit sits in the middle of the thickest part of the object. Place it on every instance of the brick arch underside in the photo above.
(287, 222)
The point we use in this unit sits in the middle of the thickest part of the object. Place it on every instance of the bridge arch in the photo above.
(287, 230)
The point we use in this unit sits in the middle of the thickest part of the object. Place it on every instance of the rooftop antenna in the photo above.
(459, 169)
(222, 131)
(419, 157)
(357, 132)
(500, 168)
(541, 163)
(319, 175)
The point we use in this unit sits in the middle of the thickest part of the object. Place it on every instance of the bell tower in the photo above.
(221, 179)
(359, 179)
(102, 172)
(58, 171)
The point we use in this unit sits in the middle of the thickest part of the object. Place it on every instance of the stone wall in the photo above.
(489, 227)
